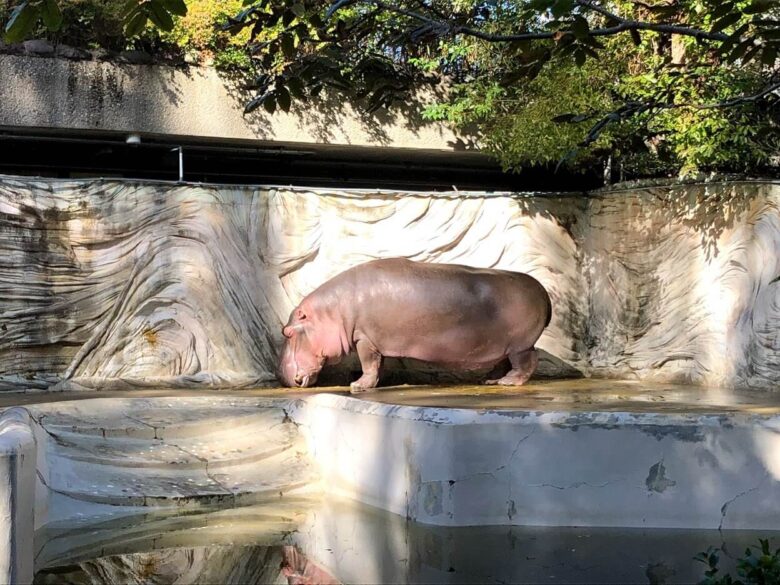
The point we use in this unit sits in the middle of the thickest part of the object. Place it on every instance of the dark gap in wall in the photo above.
(85, 154)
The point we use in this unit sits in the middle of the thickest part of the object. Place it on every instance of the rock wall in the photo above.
(684, 283)
(109, 283)
(122, 284)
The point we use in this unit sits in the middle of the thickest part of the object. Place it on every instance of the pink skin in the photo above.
(301, 362)
(460, 317)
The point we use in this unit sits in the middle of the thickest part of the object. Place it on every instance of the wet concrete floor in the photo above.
(578, 395)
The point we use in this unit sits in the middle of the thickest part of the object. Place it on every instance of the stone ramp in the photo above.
(173, 452)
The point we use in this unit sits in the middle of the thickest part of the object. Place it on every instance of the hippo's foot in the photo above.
(364, 384)
(523, 366)
(511, 379)
(370, 362)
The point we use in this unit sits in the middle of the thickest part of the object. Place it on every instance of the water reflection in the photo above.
(206, 565)
(329, 541)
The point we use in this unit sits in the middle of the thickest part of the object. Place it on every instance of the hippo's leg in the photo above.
(523, 366)
(370, 362)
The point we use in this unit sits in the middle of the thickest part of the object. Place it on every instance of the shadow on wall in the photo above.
(706, 210)
(112, 88)
(333, 118)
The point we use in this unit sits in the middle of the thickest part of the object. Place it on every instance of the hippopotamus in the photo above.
(455, 316)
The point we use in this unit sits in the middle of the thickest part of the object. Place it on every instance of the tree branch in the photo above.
(738, 101)
(600, 9)
(622, 26)
(633, 108)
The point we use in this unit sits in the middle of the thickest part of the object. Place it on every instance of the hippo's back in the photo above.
(446, 313)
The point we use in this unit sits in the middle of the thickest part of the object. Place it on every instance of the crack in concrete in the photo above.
(725, 507)
(146, 424)
(206, 469)
(55, 437)
(511, 505)
(517, 447)
(287, 419)
(575, 485)
(497, 469)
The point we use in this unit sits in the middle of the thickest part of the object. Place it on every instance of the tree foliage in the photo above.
(760, 565)
(196, 36)
(655, 86)
(661, 87)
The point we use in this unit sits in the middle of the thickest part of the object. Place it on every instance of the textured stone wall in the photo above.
(106, 283)
(116, 283)
(684, 284)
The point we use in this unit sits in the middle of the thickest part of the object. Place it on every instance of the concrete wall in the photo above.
(99, 95)
(17, 496)
(455, 467)
(115, 283)
(455, 470)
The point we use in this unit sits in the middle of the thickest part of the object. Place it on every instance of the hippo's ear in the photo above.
(300, 315)
(288, 331)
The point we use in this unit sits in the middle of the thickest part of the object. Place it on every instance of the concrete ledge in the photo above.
(107, 458)
(462, 467)
(17, 495)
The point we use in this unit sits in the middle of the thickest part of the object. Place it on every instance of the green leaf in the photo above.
(159, 15)
(256, 102)
(562, 7)
(130, 7)
(759, 6)
(269, 104)
(722, 10)
(52, 15)
(337, 6)
(295, 85)
(298, 10)
(726, 21)
(769, 55)
(177, 7)
(136, 24)
(283, 98)
(288, 45)
(22, 21)
(580, 27)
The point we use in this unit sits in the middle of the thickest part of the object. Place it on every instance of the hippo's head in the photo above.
(302, 359)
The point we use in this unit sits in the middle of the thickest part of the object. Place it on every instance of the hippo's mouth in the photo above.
(305, 380)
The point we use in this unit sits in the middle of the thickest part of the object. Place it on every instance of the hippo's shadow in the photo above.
(400, 371)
